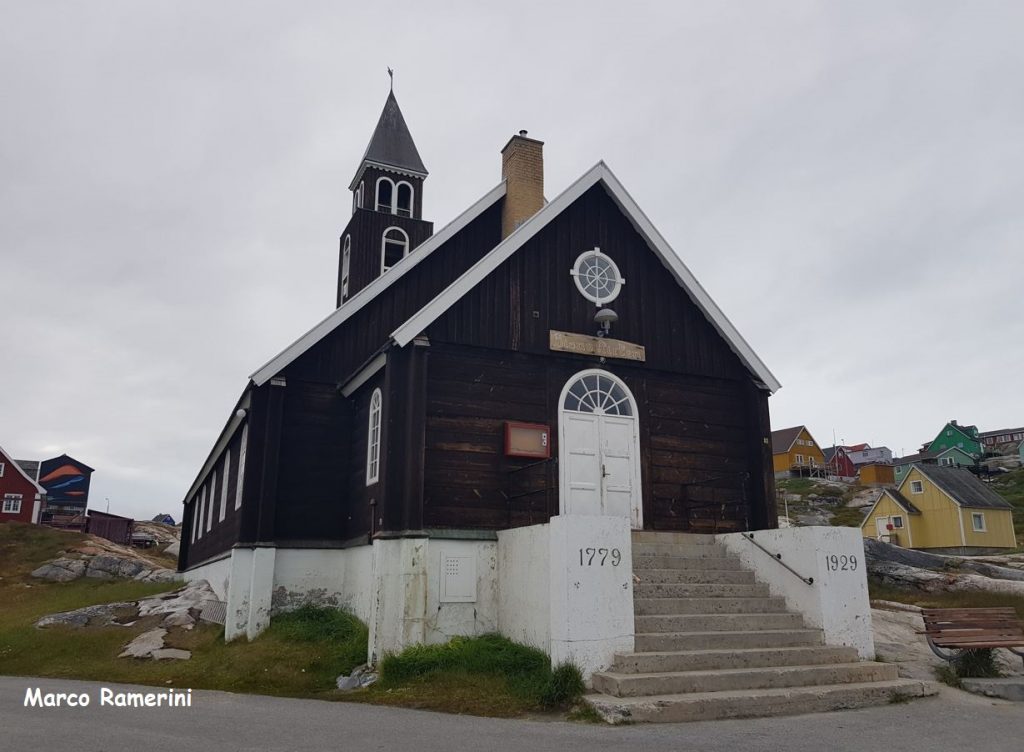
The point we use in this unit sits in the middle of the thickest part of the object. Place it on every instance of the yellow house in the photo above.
(795, 450)
(942, 509)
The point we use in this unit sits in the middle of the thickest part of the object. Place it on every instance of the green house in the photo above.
(961, 437)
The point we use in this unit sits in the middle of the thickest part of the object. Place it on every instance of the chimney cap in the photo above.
(522, 132)
(521, 136)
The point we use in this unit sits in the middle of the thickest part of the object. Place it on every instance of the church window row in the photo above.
(394, 198)
(205, 503)
(346, 265)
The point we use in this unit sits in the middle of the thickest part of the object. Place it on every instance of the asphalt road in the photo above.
(227, 722)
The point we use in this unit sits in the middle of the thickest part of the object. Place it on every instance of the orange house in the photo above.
(795, 452)
(877, 474)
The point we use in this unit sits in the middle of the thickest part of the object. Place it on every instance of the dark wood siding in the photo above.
(344, 350)
(517, 305)
(223, 534)
(699, 442)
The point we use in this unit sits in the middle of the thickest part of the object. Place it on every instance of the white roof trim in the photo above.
(404, 334)
(227, 433)
(364, 374)
(11, 463)
(375, 288)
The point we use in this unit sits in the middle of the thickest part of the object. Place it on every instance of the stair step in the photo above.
(716, 622)
(706, 660)
(719, 640)
(680, 549)
(728, 680)
(656, 606)
(709, 706)
(695, 576)
(693, 563)
(691, 539)
(698, 590)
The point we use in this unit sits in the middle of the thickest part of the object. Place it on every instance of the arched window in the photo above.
(346, 264)
(597, 392)
(403, 199)
(373, 439)
(385, 195)
(393, 248)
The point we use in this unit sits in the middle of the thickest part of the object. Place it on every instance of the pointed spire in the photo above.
(391, 144)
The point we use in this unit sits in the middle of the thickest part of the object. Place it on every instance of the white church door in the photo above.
(599, 448)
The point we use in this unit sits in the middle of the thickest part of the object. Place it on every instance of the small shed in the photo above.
(113, 527)
(877, 474)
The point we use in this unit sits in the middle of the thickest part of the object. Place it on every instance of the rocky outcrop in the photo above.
(104, 567)
(876, 551)
(180, 609)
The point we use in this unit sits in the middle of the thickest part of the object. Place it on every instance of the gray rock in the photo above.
(173, 549)
(170, 654)
(144, 645)
(100, 615)
(1007, 689)
(61, 570)
(128, 568)
(178, 619)
(348, 682)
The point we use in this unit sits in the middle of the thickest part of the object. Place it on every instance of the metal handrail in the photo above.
(778, 558)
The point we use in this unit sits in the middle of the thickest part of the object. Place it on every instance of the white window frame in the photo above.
(799, 459)
(975, 517)
(224, 487)
(896, 521)
(916, 487)
(576, 275)
(346, 266)
(241, 466)
(202, 513)
(384, 244)
(12, 503)
(396, 209)
(3, 466)
(377, 205)
(373, 431)
(195, 517)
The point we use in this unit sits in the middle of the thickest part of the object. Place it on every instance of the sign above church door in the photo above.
(583, 344)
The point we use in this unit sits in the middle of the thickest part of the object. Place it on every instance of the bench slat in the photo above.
(973, 627)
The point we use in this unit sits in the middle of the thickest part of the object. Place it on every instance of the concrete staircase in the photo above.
(711, 642)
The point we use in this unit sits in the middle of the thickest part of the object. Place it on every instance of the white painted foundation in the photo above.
(837, 602)
(217, 573)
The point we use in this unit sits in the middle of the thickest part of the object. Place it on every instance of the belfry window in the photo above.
(385, 195)
(346, 264)
(403, 200)
(394, 247)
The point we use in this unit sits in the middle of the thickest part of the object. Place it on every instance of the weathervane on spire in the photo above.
(391, 75)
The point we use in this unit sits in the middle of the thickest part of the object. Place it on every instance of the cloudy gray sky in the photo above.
(845, 178)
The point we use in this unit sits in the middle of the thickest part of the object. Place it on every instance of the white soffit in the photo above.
(504, 250)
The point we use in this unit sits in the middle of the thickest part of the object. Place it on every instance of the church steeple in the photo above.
(387, 204)
(391, 146)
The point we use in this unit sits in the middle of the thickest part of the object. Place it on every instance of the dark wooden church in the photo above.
(530, 359)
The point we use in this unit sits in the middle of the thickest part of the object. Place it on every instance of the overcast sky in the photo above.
(845, 179)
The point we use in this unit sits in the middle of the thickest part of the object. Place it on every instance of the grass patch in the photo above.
(488, 675)
(848, 516)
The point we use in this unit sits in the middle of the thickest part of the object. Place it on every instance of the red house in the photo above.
(839, 463)
(20, 496)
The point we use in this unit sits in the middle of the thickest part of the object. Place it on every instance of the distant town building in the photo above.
(66, 481)
(795, 452)
(21, 497)
(961, 437)
(865, 454)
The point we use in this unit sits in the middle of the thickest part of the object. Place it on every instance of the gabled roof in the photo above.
(782, 440)
(391, 144)
(963, 488)
(903, 502)
(9, 462)
(599, 174)
(79, 464)
(354, 304)
(990, 434)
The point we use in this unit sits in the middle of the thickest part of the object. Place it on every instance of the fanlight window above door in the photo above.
(598, 394)
(597, 277)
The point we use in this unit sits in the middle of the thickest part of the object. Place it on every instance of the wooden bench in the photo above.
(955, 629)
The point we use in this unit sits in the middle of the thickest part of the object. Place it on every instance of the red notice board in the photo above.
(527, 440)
